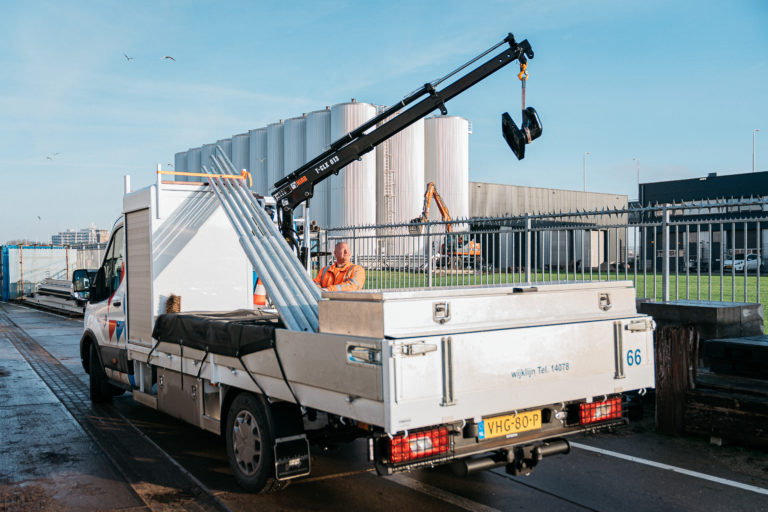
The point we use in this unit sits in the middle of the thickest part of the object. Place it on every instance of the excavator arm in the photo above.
(429, 194)
(298, 186)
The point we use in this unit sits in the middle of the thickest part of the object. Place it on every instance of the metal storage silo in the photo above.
(400, 176)
(193, 163)
(294, 142)
(275, 142)
(318, 140)
(226, 146)
(240, 157)
(294, 145)
(400, 189)
(446, 147)
(257, 156)
(205, 156)
(353, 191)
(179, 164)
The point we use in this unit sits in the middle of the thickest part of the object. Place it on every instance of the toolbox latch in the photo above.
(605, 301)
(441, 312)
(418, 348)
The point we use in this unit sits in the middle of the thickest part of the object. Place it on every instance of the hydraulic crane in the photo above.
(298, 186)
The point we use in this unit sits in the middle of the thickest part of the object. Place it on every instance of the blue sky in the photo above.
(679, 85)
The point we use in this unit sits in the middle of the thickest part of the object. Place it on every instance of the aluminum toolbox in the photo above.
(406, 313)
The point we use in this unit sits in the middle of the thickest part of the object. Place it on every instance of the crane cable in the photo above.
(523, 76)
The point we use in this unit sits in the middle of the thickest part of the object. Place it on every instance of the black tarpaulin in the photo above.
(232, 333)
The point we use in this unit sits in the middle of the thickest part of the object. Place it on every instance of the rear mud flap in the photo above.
(291, 457)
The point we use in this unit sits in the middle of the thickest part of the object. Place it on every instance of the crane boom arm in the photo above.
(298, 186)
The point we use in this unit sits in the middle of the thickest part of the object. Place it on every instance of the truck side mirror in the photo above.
(81, 284)
(80, 280)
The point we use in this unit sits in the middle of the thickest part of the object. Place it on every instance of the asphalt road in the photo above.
(57, 452)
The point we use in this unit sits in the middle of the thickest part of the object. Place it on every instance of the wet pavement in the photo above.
(57, 452)
(47, 461)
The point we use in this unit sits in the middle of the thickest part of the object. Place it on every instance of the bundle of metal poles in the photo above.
(288, 285)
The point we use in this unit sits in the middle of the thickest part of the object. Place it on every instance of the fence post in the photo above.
(429, 257)
(665, 256)
(527, 249)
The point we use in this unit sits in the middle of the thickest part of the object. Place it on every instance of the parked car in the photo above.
(737, 263)
(615, 267)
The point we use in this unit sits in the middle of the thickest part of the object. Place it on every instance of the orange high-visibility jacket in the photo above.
(345, 278)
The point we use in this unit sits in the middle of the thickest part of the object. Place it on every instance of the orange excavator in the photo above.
(458, 251)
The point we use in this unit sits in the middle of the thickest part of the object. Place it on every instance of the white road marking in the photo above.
(440, 494)
(695, 474)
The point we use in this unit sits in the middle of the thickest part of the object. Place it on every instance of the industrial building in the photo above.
(724, 229)
(85, 236)
(591, 238)
(493, 200)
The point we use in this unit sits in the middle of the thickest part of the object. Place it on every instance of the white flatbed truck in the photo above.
(473, 377)
(476, 377)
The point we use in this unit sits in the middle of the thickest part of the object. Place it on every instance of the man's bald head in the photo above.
(342, 253)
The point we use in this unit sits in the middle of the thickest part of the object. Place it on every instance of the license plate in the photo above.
(507, 425)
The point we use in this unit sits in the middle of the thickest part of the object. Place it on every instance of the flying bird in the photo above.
(170, 58)
(50, 157)
(39, 218)
(129, 59)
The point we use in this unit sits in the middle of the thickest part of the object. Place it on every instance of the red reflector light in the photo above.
(600, 411)
(419, 445)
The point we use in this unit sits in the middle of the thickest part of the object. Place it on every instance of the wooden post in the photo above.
(676, 361)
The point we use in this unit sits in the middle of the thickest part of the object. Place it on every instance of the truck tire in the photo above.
(250, 443)
(100, 388)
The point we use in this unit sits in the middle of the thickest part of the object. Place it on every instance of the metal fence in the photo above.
(703, 250)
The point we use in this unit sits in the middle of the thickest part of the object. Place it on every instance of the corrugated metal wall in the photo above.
(492, 199)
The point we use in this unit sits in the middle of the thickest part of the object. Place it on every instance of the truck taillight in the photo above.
(417, 445)
(595, 412)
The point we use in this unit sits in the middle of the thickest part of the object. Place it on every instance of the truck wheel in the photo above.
(100, 389)
(250, 443)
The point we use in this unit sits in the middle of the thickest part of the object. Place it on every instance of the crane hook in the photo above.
(530, 128)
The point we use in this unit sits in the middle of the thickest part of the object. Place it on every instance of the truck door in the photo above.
(108, 298)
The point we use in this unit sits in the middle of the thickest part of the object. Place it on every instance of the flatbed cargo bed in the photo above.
(436, 363)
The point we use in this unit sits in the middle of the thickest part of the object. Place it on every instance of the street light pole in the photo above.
(585, 170)
(636, 159)
(753, 147)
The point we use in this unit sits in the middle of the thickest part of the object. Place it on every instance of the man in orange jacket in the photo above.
(341, 275)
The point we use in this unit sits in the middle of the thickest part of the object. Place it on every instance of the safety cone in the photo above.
(260, 294)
